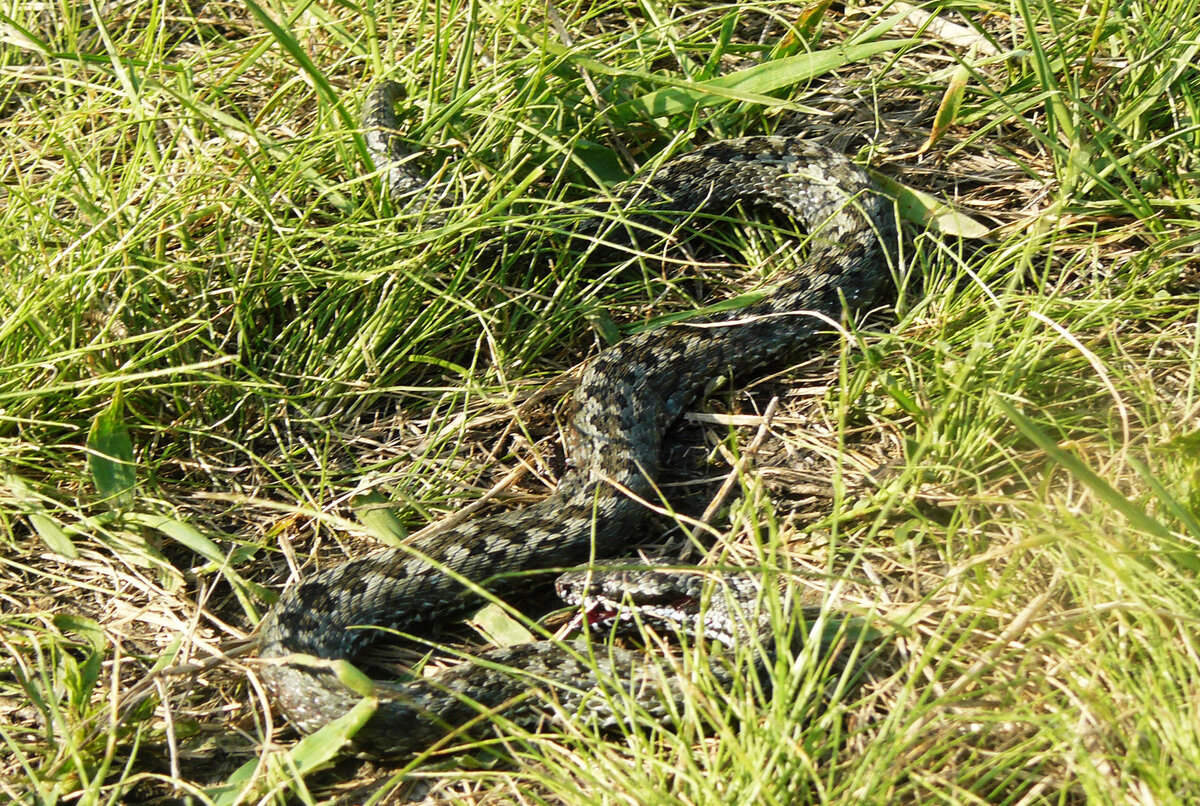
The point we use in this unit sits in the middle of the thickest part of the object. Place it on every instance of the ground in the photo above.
(229, 362)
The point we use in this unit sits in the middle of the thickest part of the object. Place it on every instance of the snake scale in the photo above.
(628, 396)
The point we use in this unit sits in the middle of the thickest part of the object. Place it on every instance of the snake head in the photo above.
(701, 604)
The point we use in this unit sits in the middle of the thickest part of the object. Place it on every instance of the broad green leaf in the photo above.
(947, 114)
(110, 456)
(499, 627)
(53, 535)
(921, 208)
(89, 629)
(377, 513)
(810, 19)
(310, 753)
(49, 529)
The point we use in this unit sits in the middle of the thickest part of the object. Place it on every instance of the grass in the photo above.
(199, 277)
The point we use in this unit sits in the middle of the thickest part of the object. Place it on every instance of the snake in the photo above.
(628, 396)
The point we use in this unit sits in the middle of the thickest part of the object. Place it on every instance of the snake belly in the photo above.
(628, 396)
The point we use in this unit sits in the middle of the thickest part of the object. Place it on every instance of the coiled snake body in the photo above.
(627, 397)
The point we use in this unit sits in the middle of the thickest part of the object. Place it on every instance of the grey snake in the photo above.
(628, 396)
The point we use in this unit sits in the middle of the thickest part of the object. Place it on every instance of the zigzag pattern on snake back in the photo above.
(627, 397)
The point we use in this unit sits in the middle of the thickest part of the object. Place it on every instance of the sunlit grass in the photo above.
(200, 278)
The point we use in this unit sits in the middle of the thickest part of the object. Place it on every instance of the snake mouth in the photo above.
(604, 615)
